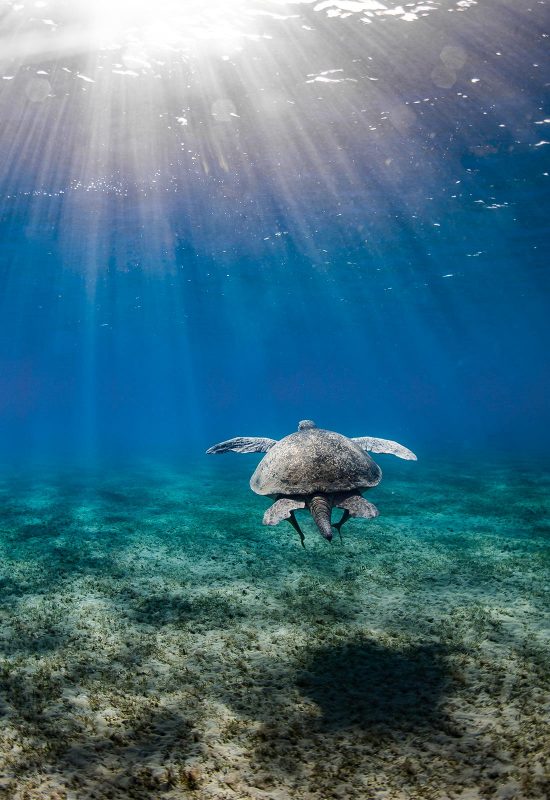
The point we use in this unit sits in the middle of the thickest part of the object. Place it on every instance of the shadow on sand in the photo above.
(140, 756)
(366, 696)
(364, 684)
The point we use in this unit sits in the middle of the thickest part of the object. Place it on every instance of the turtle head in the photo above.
(306, 425)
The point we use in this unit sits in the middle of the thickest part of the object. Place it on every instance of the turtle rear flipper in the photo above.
(354, 506)
(373, 445)
(243, 444)
(357, 506)
(284, 509)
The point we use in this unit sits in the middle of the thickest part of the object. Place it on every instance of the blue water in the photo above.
(163, 287)
(217, 225)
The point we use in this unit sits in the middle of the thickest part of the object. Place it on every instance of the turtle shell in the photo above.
(312, 461)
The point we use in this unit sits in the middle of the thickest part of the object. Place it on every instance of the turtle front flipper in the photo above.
(372, 445)
(284, 509)
(243, 444)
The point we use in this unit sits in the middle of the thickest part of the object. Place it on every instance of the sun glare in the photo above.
(170, 29)
(154, 26)
(168, 24)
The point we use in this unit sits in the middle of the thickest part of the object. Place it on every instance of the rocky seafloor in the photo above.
(158, 642)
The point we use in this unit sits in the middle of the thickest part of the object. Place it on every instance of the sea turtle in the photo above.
(315, 469)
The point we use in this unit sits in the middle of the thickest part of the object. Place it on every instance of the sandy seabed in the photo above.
(158, 642)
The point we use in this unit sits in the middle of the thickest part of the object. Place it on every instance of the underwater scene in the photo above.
(274, 415)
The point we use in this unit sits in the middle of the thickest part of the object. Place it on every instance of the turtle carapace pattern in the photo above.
(315, 469)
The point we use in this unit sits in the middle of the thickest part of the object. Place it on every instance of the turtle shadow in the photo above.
(363, 684)
(357, 684)
(358, 694)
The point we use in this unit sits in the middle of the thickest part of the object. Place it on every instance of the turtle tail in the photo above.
(320, 509)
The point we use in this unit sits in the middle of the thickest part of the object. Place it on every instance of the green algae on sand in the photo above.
(158, 646)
